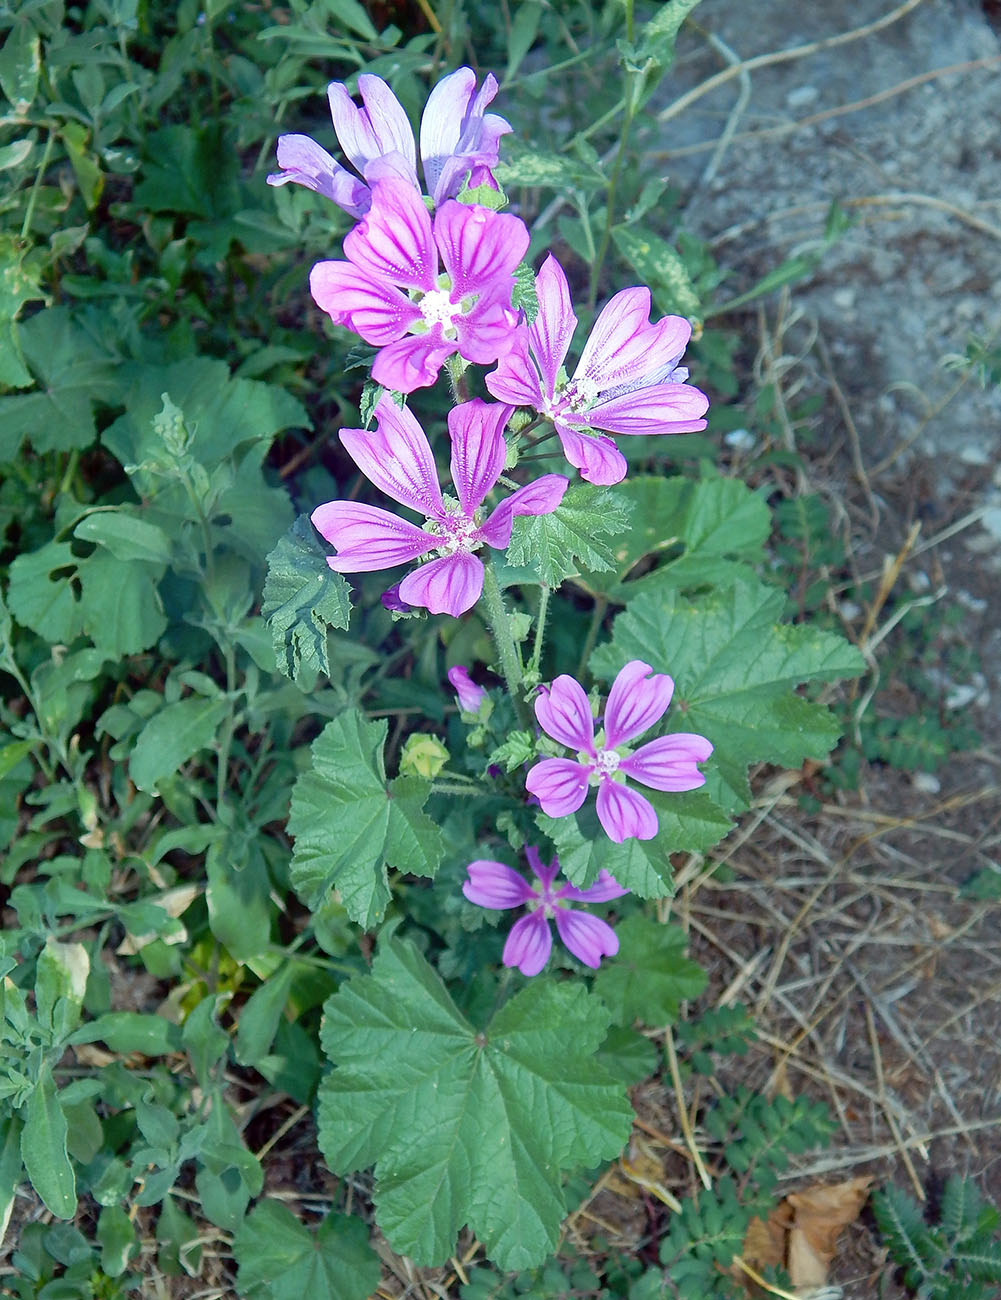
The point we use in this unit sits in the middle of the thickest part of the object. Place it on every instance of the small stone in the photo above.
(740, 439)
(926, 783)
(801, 96)
(960, 696)
(844, 298)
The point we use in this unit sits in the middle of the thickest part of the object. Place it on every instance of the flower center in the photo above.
(580, 395)
(606, 762)
(437, 308)
(459, 535)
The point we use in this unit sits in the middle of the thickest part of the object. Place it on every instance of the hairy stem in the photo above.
(507, 650)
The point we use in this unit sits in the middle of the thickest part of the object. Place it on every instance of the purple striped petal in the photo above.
(540, 497)
(605, 888)
(486, 330)
(587, 937)
(478, 449)
(635, 702)
(529, 944)
(396, 456)
(393, 241)
(661, 408)
(376, 310)
(516, 379)
(564, 712)
(617, 349)
(546, 874)
(456, 132)
(412, 362)
(597, 458)
(368, 538)
(304, 162)
(449, 585)
(559, 784)
(625, 814)
(553, 328)
(478, 246)
(669, 763)
(379, 128)
(666, 346)
(493, 885)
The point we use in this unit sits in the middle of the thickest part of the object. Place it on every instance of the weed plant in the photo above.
(257, 827)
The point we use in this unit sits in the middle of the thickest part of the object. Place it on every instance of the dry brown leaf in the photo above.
(800, 1234)
(819, 1215)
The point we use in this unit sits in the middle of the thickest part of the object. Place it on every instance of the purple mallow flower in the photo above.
(635, 702)
(627, 380)
(458, 137)
(469, 695)
(493, 885)
(391, 293)
(397, 457)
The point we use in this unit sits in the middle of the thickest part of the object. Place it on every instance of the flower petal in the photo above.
(545, 874)
(493, 885)
(456, 133)
(668, 763)
(374, 309)
(478, 449)
(449, 585)
(478, 246)
(540, 497)
(624, 813)
(617, 348)
(379, 128)
(559, 784)
(564, 712)
(393, 240)
(588, 937)
(605, 888)
(661, 408)
(303, 161)
(485, 331)
(529, 944)
(469, 695)
(368, 538)
(396, 456)
(553, 328)
(635, 702)
(597, 458)
(412, 362)
(516, 379)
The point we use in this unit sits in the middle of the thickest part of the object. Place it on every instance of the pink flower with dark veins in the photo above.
(469, 695)
(459, 138)
(393, 293)
(627, 380)
(396, 456)
(635, 702)
(494, 885)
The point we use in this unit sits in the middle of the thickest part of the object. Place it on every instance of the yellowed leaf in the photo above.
(819, 1216)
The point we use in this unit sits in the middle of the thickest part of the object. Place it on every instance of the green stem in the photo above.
(540, 628)
(464, 791)
(29, 211)
(613, 184)
(598, 614)
(229, 726)
(507, 650)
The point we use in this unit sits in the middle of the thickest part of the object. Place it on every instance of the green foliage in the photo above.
(349, 823)
(721, 1031)
(280, 1259)
(652, 975)
(759, 1134)
(303, 600)
(703, 1239)
(959, 1255)
(578, 533)
(452, 1118)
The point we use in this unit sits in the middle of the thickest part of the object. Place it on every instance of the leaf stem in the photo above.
(606, 234)
(507, 651)
(597, 617)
